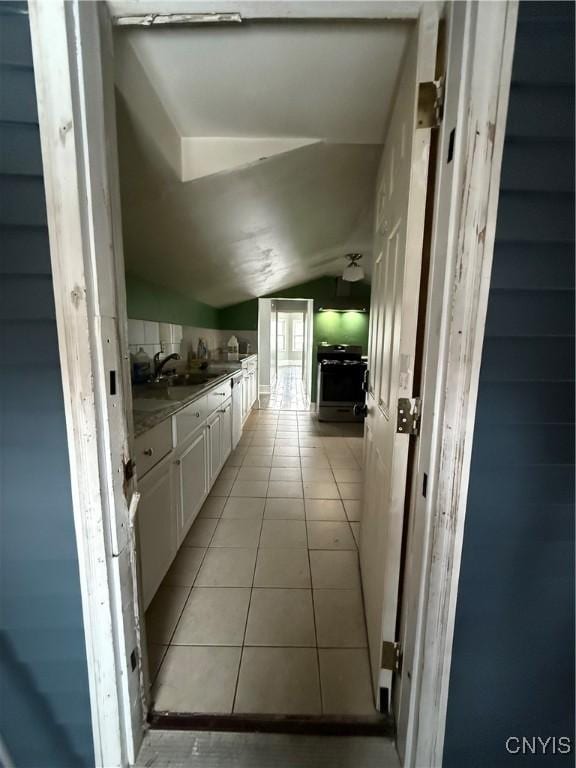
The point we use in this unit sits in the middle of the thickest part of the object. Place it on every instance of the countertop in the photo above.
(150, 408)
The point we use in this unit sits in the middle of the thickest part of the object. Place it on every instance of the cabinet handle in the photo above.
(148, 452)
(177, 462)
(220, 394)
(197, 414)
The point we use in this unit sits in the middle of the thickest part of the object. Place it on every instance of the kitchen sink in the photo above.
(173, 387)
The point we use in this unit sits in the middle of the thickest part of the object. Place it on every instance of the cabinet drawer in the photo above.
(189, 419)
(152, 446)
(218, 395)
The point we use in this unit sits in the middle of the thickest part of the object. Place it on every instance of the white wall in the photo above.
(264, 319)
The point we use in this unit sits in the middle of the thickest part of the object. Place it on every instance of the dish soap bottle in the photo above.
(141, 367)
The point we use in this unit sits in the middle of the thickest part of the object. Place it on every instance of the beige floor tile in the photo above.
(257, 461)
(228, 473)
(320, 462)
(339, 618)
(243, 508)
(345, 682)
(348, 475)
(278, 681)
(334, 569)
(266, 442)
(221, 487)
(353, 510)
(350, 491)
(324, 509)
(281, 617)
(293, 475)
(186, 565)
(213, 616)
(321, 491)
(195, 679)
(286, 461)
(163, 613)
(282, 568)
(310, 442)
(285, 489)
(356, 532)
(156, 655)
(329, 535)
(237, 533)
(285, 442)
(201, 532)
(317, 475)
(249, 488)
(283, 534)
(343, 462)
(287, 451)
(227, 567)
(260, 450)
(253, 473)
(284, 509)
(212, 507)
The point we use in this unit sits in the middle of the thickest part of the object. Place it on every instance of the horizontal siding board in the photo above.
(540, 111)
(537, 522)
(24, 251)
(15, 44)
(528, 359)
(530, 313)
(22, 201)
(547, 171)
(17, 96)
(533, 266)
(524, 445)
(30, 298)
(518, 486)
(20, 149)
(544, 58)
(525, 402)
(535, 217)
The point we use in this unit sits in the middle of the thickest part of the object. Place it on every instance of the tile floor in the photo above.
(288, 394)
(262, 611)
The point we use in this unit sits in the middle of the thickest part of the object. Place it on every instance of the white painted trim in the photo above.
(68, 75)
(275, 9)
(458, 300)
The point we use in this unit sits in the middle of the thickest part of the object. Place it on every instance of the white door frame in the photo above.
(87, 263)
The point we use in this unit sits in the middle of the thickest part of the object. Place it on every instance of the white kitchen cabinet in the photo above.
(225, 431)
(191, 482)
(157, 527)
(213, 426)
(237, 409)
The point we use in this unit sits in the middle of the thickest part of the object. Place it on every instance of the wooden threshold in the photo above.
(320, 725)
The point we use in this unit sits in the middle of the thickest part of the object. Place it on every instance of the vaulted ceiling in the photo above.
(249, 155)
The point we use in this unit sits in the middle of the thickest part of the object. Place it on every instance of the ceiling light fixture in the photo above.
(353, 272)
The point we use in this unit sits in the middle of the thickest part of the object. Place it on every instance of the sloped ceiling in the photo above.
(285, 218)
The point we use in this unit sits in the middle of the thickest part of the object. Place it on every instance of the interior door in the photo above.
(401, 200)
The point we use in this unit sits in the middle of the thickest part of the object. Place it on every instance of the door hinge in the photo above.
(408, 417)
(391, 656)
(430, 103)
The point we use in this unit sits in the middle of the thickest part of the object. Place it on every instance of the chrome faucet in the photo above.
(159, 364)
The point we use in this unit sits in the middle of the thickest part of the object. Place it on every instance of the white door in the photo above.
(192, 482)
(401, 199)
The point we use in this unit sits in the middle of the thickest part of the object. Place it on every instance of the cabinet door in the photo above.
(245, 397)
(225, 432)
(157, 535)
(214, 449)
(192, 482)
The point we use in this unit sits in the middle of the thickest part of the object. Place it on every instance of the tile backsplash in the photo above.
(168, 338)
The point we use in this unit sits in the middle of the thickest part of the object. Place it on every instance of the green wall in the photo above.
(333, 327)
(148, 301)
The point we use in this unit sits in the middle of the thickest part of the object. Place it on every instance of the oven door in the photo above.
(341, 384)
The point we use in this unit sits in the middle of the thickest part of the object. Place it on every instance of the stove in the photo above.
(341, 373)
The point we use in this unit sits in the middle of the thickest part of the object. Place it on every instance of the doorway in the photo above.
(101, 406)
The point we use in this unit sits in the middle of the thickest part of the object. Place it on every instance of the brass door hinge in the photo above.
(408, 417)
(391, 656)
(430, 103)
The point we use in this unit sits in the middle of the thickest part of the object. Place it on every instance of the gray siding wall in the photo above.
(44, 703)
(513, 664)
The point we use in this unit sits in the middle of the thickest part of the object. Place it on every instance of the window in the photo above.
(281, 334)
(298, 334)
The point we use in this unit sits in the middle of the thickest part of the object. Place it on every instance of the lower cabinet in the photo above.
(157, 534)
(191, 482)
(225, 431)
(213, 426)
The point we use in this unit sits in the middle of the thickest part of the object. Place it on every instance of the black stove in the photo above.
(341, 372)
